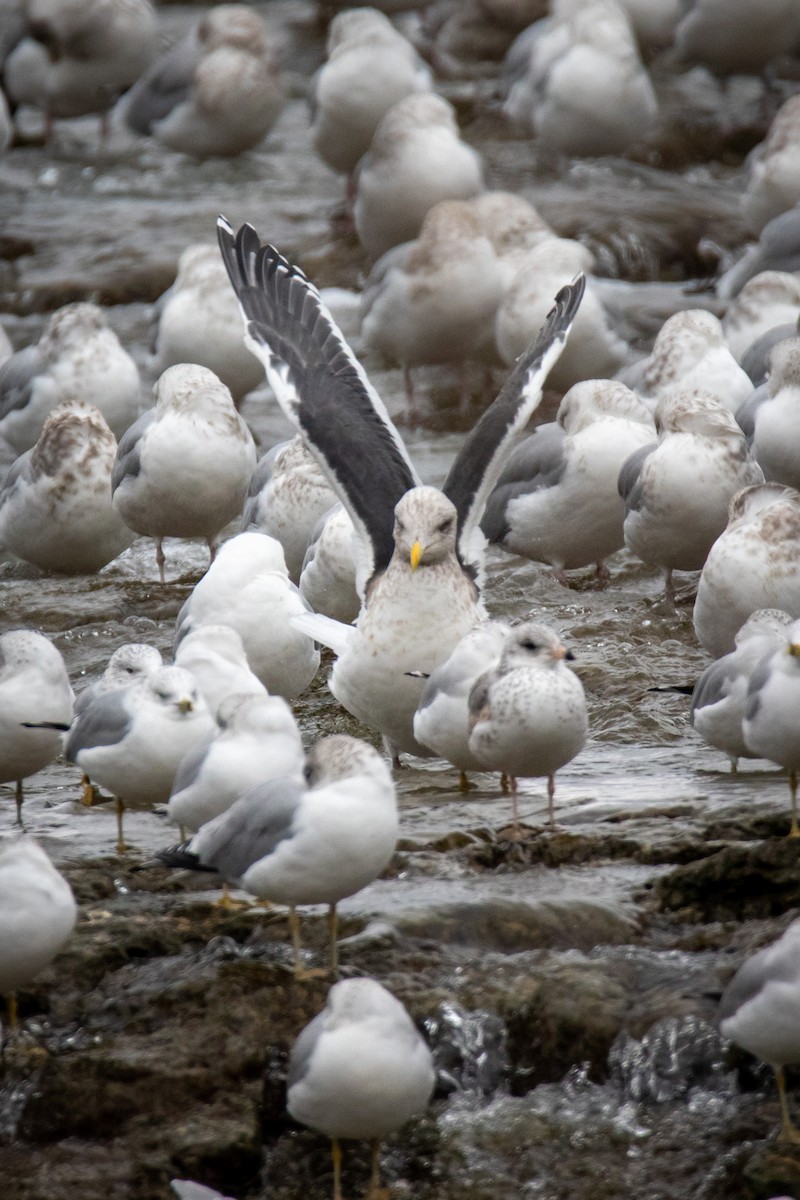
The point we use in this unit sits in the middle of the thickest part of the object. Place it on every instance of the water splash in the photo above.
(676, 1057)
(469, 1051)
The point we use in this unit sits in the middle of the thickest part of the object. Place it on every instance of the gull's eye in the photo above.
(528, 644)
(163, 695)
(445, 526)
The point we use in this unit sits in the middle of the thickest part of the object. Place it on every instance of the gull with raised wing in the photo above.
(421, 547)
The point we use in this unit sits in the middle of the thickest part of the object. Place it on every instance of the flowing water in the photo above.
(107, 222)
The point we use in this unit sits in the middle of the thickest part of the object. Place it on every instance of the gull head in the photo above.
(533, 645)
(425, 527)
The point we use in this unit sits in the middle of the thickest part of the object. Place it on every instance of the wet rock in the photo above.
(739, 882)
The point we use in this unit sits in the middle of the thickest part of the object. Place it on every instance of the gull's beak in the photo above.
(561, 653)
(794, 649)
(185, 705)
(415, 556)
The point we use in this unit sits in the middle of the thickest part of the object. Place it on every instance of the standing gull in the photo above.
(55, 504)
(557, 499)
(131, 741)
(421, 548)
(359, 1070)
(37, 916)
(527, 714)
(215, 655)
(287, 496)
(198, 323)
(441, 721)
(217, 93)
(719, 698)
(760, 1010)
(312, 839)
(754, 563)
(182, 469)
(772, 712)
(35, 706)
(416, 159)
(258, 740)
(677, 490)
(77, 355)
(129, 663)
(248, 587)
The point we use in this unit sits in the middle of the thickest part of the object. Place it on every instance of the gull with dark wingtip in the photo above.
(421, 547)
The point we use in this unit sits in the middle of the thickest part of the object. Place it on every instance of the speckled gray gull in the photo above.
(78, 355)
(198, 322)
(78, 56)
(754, 563)
(216, 656)
(690, 351)
(182, 469)
(248, 587)
(773, 186)
(369, 67)
(769, 299)
(287, 496)
(557, 499)
(585, 90)
(35, 706)
(760, 1011)
(315, 839)
(415, 160)
(441, 721)
(677, 491)
(258, 740)
(130, 662)
(776, 417)
(37, 916)
(527, 714)
(422, 547)
(434, 300)
(131, 741)
(720, 695)
(360, 1069)
(55, 504)
(772, 711)
(217, 93)
(328, 579)
(595, 349)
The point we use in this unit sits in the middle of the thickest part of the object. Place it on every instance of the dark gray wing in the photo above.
(303, 1049)
(128, 461)
(105, 721)
(163, 87)
(536, 463)
(710, 687)
(20, 469)
(16, 379)
(320, 386)
(758, 677)
(258, 480)
(478, 697)
(480, 460)
(250, 829)
(629, 481)
(746, 412)
(755, 360)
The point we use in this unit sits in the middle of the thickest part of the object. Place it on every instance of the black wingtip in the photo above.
(180, 856)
